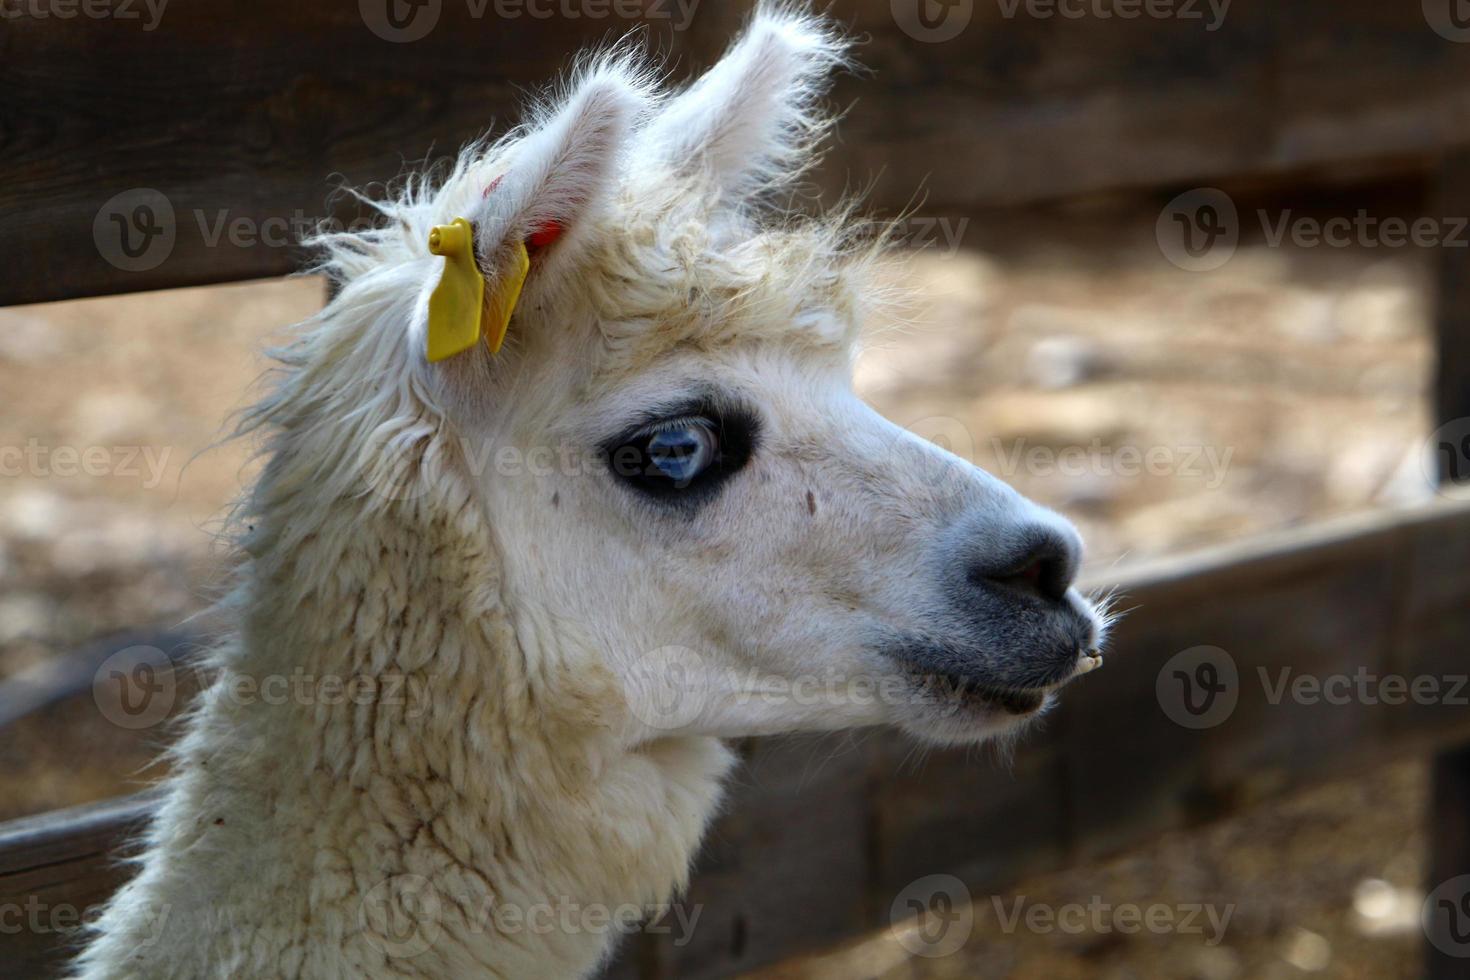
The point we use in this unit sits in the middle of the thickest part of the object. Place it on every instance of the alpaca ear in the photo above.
(565, 165)
(531, 210)
(751, 121)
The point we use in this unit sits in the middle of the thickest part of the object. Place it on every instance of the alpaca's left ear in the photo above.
(541, 196)
(566, 164)
(752, 120)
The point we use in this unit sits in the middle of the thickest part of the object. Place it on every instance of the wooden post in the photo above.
(1449, 841)
(1452, 314)
(1449, 816)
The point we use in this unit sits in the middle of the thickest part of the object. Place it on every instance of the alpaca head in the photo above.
(689, 504)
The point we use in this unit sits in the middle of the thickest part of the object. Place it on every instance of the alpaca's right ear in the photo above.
(751, 122)
(545, 189)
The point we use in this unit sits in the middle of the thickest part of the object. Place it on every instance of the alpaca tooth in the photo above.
(1089, 661)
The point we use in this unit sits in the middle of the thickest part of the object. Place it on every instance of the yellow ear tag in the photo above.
(458, 306)
(456, 303)
(503, 301)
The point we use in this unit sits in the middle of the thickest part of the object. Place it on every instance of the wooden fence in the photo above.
(223, 112)
(822, 833)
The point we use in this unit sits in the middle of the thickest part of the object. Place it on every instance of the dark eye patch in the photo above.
(680, 454)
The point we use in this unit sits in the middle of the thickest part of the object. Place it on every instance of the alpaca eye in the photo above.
(679, 453)
(686, 453)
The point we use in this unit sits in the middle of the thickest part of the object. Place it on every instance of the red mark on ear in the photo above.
(546, 234)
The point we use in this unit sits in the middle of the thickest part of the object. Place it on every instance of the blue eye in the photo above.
(684, 456)
(682, 451)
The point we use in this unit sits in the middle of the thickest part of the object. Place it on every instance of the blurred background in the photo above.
(1128, 303)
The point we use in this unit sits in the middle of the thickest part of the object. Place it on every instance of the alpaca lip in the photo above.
(1012, 700)
(971, 692)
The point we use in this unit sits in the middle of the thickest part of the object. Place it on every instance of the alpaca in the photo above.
(511, 602)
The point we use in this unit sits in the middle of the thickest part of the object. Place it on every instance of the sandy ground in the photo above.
(1159, 408)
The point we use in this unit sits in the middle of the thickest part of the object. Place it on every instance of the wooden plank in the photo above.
(235, 118)
(64, 677)
(1031, 106)
(965, 816)
(223, 125)
(56, 870)
(752, 907)
(821, 835)
(1270, 622)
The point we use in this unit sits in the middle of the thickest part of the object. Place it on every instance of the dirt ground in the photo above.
(1161, 409)
(1326, 884)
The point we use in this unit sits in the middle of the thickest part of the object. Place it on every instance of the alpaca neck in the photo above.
(384, 780)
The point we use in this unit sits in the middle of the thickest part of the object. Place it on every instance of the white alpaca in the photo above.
(498, 609)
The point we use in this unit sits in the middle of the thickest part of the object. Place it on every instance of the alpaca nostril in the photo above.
(1048, 576)
(1047, 566)
(1032, 573)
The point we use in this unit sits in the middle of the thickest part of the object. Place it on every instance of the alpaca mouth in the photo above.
(1013, 702)
(1003, 672)
(963, 691)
